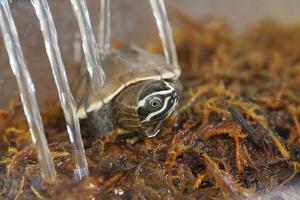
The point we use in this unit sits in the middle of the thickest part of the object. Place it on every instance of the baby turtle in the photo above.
(138, 95)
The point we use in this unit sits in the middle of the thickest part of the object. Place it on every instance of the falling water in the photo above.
(89, 43)
(104, 29)
(77, 49)
(27, 91)
(66, 98)
(165, 31)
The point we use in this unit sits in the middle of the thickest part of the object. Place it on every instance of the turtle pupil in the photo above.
(155, 102)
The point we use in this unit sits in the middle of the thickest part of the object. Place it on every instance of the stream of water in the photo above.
(93, 63)
(27, 91)
(89, 43)
(66, 98)
(104, 38)
(162, 22)
(165, 31)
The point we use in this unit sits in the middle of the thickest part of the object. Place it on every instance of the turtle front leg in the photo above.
(153, 131)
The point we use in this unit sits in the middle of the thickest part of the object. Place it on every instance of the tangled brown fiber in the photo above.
(235, 133)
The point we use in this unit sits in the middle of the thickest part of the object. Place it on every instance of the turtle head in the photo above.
(156, 102)
(144, 105)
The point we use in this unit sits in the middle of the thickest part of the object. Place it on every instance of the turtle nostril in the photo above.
(175, 95)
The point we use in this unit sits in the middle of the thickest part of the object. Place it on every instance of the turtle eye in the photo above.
(155, 103)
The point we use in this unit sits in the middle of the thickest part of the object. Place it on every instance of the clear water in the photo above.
(77, 54)
(27, 91)
(89, 43)
(104, 37)
(165, 31)
(66, 98)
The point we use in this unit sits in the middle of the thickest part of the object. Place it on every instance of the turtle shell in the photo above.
(122, 68)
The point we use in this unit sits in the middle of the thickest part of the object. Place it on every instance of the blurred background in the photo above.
(132, 21)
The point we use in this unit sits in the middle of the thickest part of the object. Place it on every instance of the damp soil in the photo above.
(235, 133)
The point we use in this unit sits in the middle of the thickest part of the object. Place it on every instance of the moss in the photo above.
(236, 131)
